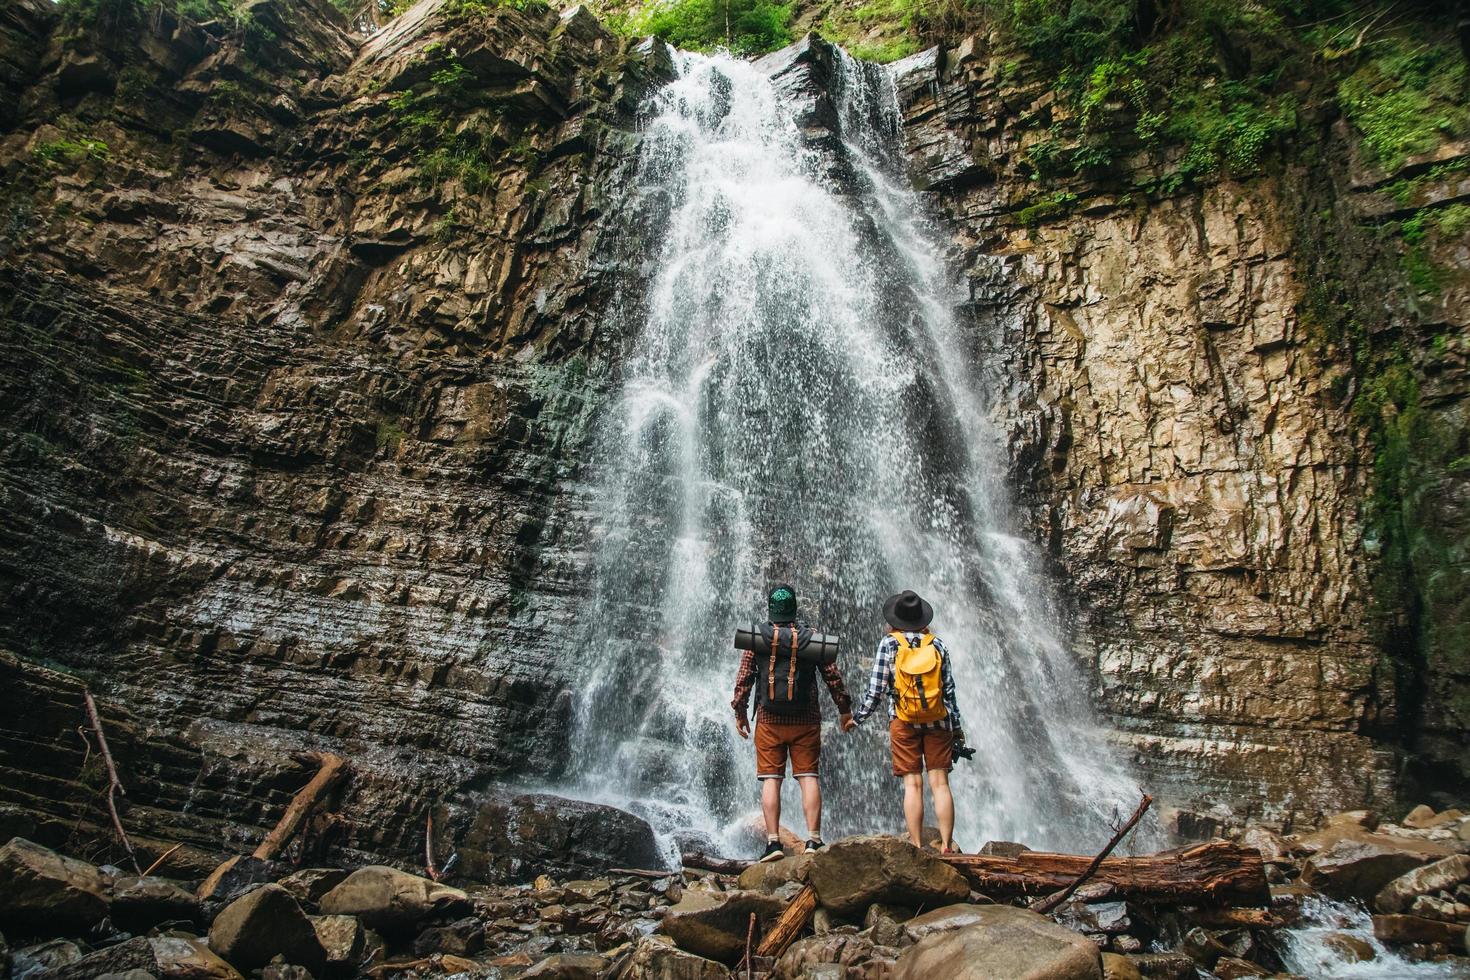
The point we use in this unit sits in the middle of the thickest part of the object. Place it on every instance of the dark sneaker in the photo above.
(816, 844)
(773, 851)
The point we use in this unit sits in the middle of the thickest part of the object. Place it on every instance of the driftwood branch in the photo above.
(1214, 874)
(429, 867)
(749, 942)
(114, 785)
(1045, 905)
(161, 858)
(794, 918)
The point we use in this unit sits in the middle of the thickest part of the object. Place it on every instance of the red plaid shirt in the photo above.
(810, 715)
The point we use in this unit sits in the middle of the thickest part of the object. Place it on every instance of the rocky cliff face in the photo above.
(304, 334)
(1181, 432)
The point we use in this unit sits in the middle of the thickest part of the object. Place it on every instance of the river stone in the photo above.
(1403, 929)
(767, 876)
(1008, 942)
(1442, 875)
(45, 957)
(393, 901)
(1165, 966)
(47, 891)
(714, 924)
(1235, 968)
(854, 873)
(942, 920)
(657, 958)
(463, 937)
(310, 884)
(568, 966)
(1419, 818)
(531, 833)
(139, 903)
(846, 955)
(1352, 949)
(260, 925)
(342, 937)
(1358, 864)
(132, 954)
(1116, 966)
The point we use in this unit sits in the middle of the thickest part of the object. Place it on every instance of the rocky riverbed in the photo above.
(879, 908)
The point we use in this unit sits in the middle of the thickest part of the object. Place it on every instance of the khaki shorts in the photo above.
(915, 750)
(803, 742)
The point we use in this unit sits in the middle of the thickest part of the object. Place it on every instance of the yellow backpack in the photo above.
(918, 682)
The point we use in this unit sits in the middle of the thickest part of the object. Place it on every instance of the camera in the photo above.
(963, 751)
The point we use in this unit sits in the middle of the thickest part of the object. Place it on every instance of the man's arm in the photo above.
(948, 692)
(833, 679)
(880, 679)
(744, 684)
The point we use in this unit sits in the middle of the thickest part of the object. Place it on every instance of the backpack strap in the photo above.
(791, 672)
(771, 674)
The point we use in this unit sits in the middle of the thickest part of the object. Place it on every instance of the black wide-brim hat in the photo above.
(906, 611)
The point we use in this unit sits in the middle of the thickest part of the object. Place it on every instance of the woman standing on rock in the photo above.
(924, 727)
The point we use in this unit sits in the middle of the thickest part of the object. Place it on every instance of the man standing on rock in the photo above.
(912, 669)
(788, 717)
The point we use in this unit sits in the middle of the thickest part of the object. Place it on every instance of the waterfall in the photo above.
(799, 402)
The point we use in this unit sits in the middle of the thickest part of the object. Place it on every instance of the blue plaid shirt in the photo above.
(880, 682)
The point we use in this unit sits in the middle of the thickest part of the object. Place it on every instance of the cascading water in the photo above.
(797, 404)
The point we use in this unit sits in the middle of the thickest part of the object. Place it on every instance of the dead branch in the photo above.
(114, 785)
(161, 858)
(1047, 904)
(794, 918)
(749, 941)
(429, 867)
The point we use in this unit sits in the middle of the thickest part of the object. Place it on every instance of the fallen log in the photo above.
(794, 918)
(1218, 873)
(1045, 905)
(708, 862)
(332, 768)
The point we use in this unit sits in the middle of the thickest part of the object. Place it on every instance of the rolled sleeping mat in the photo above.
(820, 649)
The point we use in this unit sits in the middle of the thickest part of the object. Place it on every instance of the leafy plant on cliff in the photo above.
(1406, 98)
(449, 144)
(71, 151)
(741, 26)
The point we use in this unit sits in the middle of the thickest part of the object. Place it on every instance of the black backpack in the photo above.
(783, 684)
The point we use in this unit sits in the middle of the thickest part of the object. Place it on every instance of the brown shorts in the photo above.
(773, 742)
(915, 750)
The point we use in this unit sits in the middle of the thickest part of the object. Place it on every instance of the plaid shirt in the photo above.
(880, 682)
(811, 714)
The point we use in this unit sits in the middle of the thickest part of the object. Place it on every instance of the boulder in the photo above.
(1004, 848)
(1115, 966)
(1234, 968)
(1357, 864)
(188, 958)
(263, 924)
(133, 954)
(714, 924)
(847, 956)
(48, 892)
(1442, 875)
(310, 884)
(342, 937)
(568, 966)
(140, 903)
(1404, 929)
(1165, 966)
(767, 876)
(854, 873)
(657, 958)
(1007, 942)
(1420, 817)
(1445, 910)
(1274, 848)
(464, 937)
(945, 919)
(513, 837)
(393, 901)
(1349, 948)
(44, 957)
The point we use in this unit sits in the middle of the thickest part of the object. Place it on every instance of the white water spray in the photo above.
(799, 403)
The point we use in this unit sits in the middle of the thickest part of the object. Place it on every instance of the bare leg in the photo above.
(913, 806)
(943, 806)
(811, 804)
(771, 805)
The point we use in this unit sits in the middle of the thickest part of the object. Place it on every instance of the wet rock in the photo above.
(52, 955)
(714, 925)
(1419, 817)
(840, 954)
(1430, 907)
(1165, 966)
(942, 920)
(1357, 864)
(569, 966)
(45, 890)
(1118, 967)
(1442, 875)
(263, 924)
(854, 873)
(244, 874)
(138, 904)
(1004, 848)
(127, 975)
(1350, 948)
(884, 923)
(538, 831)
(1405, 929)
(657, 958)
(393, 901)
(342, 937)
(188, 958)
(589, 891)
(310, 884)
(767, 876)
(465, 937)
(1006, 942)
(132, 954)
(1274, 848)
(1233, 968)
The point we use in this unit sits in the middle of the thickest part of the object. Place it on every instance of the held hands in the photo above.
(742, 727)
(847, 722)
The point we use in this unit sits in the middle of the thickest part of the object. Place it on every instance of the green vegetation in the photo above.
(447, 147)
(389, 436)
(1407, 97)
(71, 151)
(741, 26)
